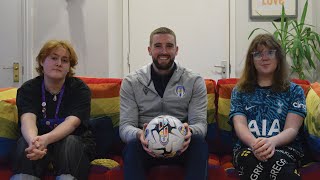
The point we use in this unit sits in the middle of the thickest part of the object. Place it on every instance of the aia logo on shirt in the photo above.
(264, 128)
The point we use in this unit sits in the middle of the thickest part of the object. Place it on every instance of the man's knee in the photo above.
(198, 146)
(198, 142)
(132, 146)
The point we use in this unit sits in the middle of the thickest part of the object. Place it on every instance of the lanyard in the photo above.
(44, 104)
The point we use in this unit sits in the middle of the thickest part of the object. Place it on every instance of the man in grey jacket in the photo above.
(163, 88)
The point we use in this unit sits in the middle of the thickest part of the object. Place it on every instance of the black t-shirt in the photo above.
(161, 81)
(75, 102)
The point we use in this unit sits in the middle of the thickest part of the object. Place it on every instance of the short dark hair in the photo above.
(162, 30)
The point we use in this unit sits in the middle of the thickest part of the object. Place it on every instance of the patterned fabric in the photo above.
(8, 113)
(312, 121)
(224, 89)
(211, 86)
(212, 133)
(105, 100)
(8, 121)
(302, 83)
(266, 111)
(105, 105)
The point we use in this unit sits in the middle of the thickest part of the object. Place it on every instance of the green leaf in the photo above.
(304, 13)
(307, 54)
(256, 30)
(317, 37)
(283, 17)
(316, 52)
(253, 32)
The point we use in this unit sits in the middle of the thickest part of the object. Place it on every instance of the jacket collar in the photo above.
(144, 75)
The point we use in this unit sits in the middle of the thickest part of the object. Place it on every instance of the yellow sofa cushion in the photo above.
(8, 113)
(105, 98)
(312, 121)
(8, 122)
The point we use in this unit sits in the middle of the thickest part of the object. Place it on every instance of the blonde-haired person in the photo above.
(54, 110)
(267, 111)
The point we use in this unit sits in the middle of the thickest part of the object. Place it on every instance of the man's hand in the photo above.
(187, 138)
(144, 143)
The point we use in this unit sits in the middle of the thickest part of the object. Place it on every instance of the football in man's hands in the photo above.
(165, 135)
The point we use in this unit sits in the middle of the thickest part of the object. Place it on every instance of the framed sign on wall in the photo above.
(261, 9)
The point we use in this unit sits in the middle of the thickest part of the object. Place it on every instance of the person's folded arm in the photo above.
(29, 128)
(290, 131)
(60, 132)
(243, 133)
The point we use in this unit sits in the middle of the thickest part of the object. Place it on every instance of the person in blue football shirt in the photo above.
(267, 112)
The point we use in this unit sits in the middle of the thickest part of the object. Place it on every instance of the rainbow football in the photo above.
(165, 136)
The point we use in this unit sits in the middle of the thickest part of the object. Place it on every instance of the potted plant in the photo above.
(298, 40)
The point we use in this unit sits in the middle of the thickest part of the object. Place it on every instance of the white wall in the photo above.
(244, 26)
(87, 24)
(316, 14)
(202, 31)
(95, 27)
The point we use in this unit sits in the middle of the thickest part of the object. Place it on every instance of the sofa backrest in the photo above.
(8, 121)
(224, 89)
(312, 121)
(105, 107)
(105, 114)
(105, 98)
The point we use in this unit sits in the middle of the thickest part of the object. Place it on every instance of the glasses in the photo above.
(269, 54)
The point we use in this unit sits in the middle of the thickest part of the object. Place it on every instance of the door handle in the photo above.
(223, 68)
(15, 71)
(16, 74)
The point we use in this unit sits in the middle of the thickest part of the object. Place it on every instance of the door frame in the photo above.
(27, 64)
(231, 39)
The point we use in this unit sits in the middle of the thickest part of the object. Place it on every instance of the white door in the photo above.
(201, 27)
(11, 43)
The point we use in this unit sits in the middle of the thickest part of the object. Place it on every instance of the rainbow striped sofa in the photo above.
(105, 105)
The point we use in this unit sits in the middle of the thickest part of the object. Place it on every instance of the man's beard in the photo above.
(163, 66)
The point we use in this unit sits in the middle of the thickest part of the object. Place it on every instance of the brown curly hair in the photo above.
(51, 45)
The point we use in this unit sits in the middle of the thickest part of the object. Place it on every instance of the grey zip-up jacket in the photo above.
(185, 98)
